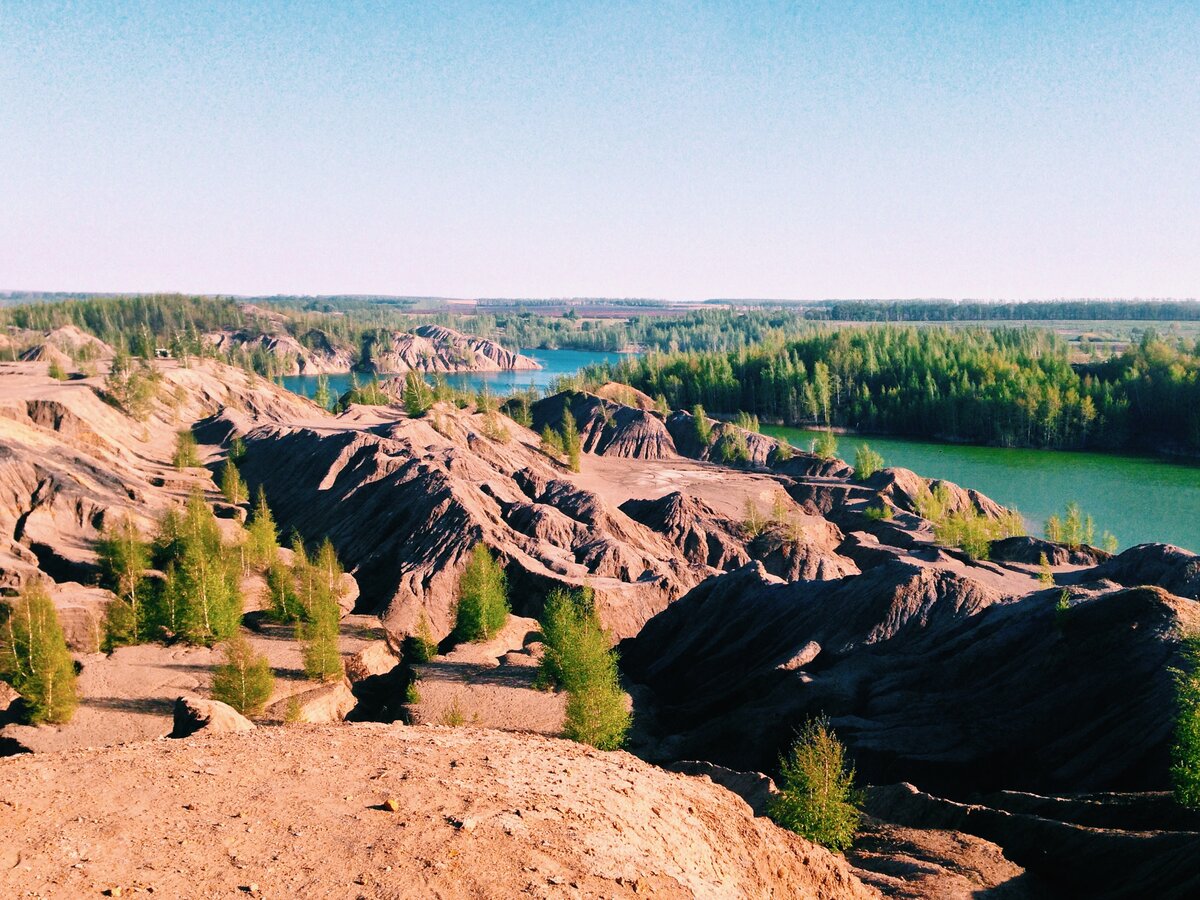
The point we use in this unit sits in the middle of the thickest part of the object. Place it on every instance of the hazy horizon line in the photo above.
(593, 298)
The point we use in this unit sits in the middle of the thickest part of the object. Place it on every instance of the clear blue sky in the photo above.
(679, 150)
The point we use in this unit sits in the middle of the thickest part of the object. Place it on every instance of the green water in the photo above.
(1138, 499)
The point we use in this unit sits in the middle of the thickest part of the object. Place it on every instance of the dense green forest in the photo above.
(1003, 386)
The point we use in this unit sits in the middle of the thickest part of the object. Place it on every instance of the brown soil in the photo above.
(302, 811)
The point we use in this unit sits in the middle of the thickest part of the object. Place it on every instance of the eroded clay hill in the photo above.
(71, 459)
(379, 811)
(435, 348)
(404, 500)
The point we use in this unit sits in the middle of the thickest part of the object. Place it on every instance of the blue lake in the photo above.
(555, 363)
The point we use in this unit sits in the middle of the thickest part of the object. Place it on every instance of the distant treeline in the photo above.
(1002, 386)
(355, 323)
(979, 311)
(126, 320)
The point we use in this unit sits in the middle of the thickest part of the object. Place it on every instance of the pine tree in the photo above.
(703, 428)
(579, 659)
(245, 680)
(34, 657)
(201, 599)
(552, 442)
(421, 646)
(124, 558)
(817, 798)
(482, 606)
(322, 396)
(1185, 749)
(571, 442)
(1045, 575)
(232, 485)
(417, 397)
(263, 542)
(186, 456)
(319, 639)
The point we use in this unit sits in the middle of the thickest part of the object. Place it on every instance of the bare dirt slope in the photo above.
(299, 812)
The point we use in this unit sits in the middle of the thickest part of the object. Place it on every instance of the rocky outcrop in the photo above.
(315, 355)
(1032, 551)
(926, 674)
(195, 714)
(1171, 568)
(1128, 855)
(728, 443)
(435, 348)
(791, 553)
(376, 659)
(903, 487)
(326, 703)
(703, 536)
(606, 427)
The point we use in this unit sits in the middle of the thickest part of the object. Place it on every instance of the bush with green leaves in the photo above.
(34, 658)
(704, 431)
(967, 528)
(369, 394)
(56, 371)
(732, 447)
(866, 462)
(880, 513)
(826, 445)
(421, 647)
(747, 421)
(1073, 528)
(481, 609)
(494, 429)
(244, 680)
(1045, 575)
(817, 798)
(973, 532)
(1185, 746)
(753, 522)
(552, 442)
(580, 660)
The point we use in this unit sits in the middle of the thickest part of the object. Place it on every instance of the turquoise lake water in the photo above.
(1137, 498)
(554, 364)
